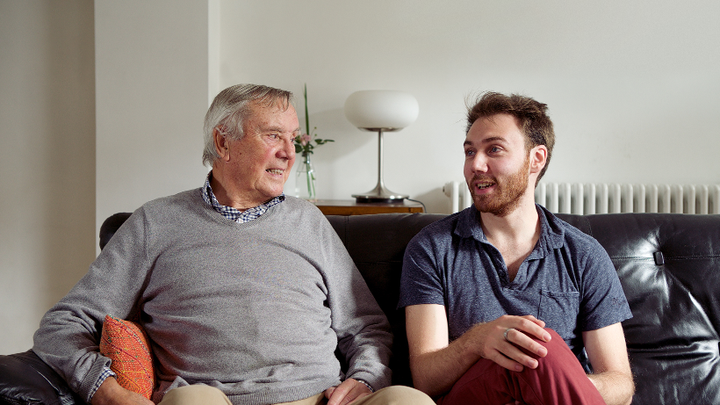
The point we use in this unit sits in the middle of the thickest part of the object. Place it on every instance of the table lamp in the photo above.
(381, 111)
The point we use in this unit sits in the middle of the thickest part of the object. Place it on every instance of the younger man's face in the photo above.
(497, 164)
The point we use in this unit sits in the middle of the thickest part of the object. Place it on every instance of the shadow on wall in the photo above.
(70, 106)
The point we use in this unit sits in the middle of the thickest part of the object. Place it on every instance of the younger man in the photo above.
(505, 302)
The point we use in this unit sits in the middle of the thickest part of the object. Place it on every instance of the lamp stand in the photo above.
(380, 193)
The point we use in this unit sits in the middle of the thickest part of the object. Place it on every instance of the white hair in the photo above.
(230, 107)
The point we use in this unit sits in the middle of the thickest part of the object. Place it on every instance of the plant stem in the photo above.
(307, 116)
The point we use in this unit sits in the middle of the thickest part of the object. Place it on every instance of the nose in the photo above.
(478, 164)
(287, 151)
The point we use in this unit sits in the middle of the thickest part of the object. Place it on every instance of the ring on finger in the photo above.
(506, 333)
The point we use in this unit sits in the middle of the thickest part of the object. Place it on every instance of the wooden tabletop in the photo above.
(352, 207)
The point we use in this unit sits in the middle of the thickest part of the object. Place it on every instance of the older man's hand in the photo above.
(348, 391)
(111, 393)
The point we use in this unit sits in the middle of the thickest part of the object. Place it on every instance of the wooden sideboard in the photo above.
(351, 207)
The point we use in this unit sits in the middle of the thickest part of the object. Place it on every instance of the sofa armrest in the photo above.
(25, 379)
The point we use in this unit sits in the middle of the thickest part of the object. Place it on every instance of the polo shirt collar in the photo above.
(552, 235)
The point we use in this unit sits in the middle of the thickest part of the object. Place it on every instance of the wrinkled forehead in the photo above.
(276, 116)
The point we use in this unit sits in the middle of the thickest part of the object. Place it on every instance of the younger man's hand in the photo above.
(510, 341)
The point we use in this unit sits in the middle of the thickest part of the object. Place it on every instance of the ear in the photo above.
(538, 158)
(222, 144)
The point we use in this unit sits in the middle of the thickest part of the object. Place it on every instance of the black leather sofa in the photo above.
(669, 265)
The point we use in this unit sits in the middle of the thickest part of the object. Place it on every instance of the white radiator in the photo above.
(459, 195)
(577, 198)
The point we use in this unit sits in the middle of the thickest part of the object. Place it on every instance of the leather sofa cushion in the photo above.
(25, 379)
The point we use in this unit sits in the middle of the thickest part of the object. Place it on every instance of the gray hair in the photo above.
(231, 107)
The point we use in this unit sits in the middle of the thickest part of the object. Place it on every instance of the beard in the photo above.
(507, 194)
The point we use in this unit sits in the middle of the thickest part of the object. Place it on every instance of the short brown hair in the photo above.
(530, 114)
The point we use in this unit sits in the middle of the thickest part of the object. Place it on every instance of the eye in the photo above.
(273, 136)
(494, 149)
(469, 153)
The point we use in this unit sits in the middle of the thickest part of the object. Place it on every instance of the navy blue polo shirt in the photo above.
(568, 280)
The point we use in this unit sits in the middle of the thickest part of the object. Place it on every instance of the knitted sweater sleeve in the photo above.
(69, 333)
(363, 331)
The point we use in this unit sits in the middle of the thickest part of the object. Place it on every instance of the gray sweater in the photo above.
(255, 309)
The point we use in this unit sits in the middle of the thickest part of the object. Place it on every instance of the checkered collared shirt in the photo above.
(235, 214)
(106, 373)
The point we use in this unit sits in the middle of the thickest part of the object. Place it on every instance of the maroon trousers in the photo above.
(558, 379)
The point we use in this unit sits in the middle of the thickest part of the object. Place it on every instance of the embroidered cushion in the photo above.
(127, 345)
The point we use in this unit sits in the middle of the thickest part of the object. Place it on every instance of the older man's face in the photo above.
(260, 162)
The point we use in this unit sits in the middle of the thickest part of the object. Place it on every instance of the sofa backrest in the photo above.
(668, 265)
(377, 244)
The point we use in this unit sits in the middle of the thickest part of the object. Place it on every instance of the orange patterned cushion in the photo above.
(126, 344)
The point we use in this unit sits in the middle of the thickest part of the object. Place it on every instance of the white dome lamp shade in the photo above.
(381, 111)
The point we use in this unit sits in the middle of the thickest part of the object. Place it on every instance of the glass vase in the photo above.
(305, 180)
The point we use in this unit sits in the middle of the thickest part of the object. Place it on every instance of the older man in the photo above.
(245, 294)
(480, 286)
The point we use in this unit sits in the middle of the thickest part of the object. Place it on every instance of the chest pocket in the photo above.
(559, 310)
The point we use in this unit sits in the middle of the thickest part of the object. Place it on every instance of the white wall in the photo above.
(144, 67)
(632, 87)
(152, 94)
(47, 159)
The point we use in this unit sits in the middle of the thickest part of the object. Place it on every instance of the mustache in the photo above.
(481, 178)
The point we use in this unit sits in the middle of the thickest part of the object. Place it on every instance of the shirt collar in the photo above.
(234, 214)
(551, 235)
